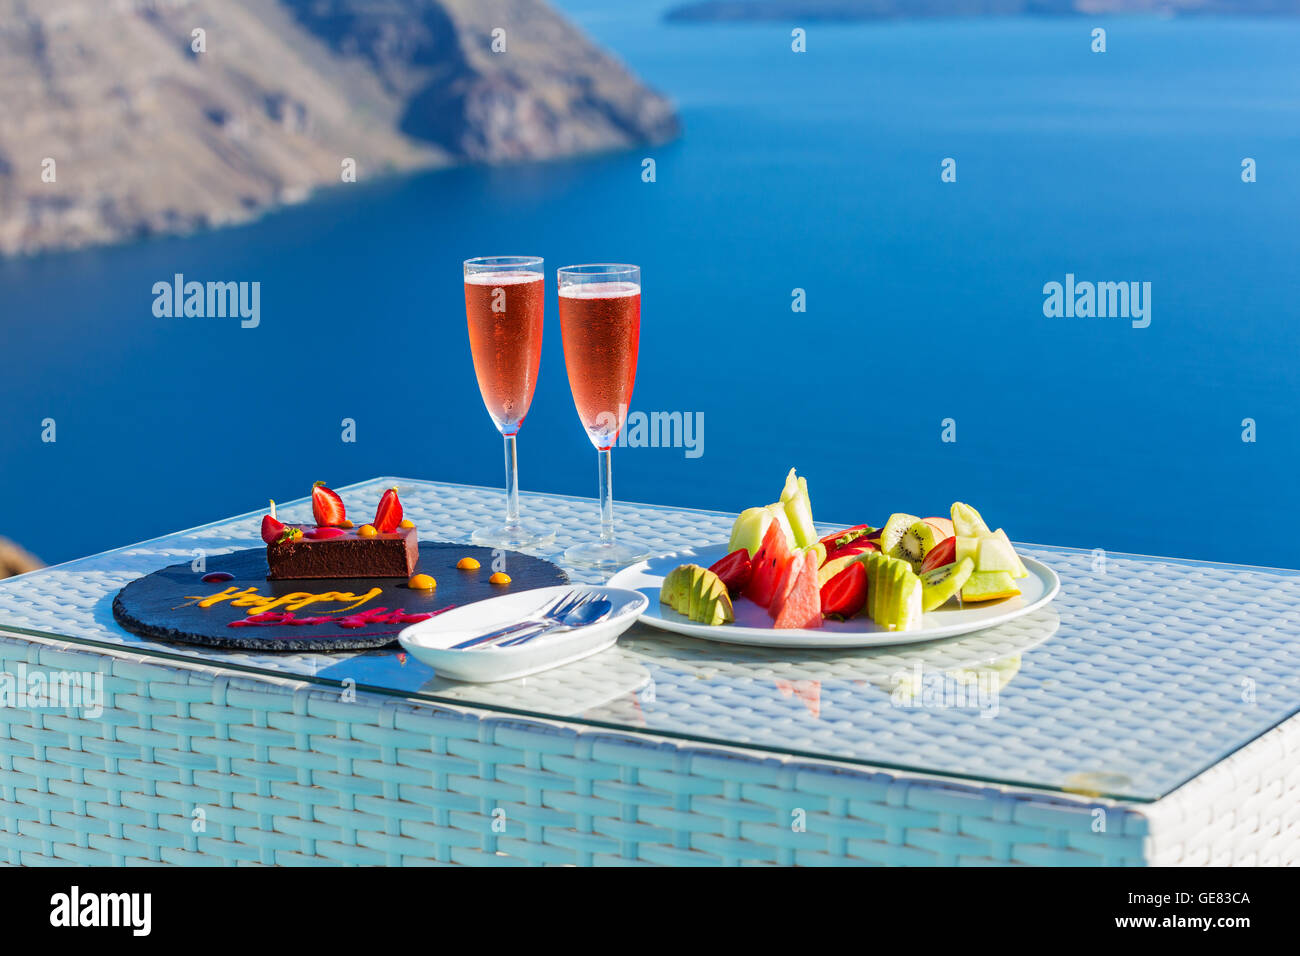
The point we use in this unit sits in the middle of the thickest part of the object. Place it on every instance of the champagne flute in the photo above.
(600, 322)
(505, 300)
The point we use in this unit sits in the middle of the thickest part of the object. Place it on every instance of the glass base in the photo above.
(521, 536)
(606, 555)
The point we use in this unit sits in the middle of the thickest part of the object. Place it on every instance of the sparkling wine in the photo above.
(600, 323)
(505, 312)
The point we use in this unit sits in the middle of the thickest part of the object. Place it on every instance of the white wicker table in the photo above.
(1148, 716)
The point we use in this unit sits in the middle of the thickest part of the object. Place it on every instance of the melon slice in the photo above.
(996, 554)
(968, 546)
(748, 530)
(988, 586)
(1019, 571)
(801, 604)
(798, 509)
(966, 521)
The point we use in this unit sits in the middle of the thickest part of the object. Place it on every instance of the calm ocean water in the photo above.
(817, 171)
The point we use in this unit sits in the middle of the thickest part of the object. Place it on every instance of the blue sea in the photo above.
(817, 171)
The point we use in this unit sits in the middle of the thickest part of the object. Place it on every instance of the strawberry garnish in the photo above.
(389, 513)
(271, 529)
(326, 506)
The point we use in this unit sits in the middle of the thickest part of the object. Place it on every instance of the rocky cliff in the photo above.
(122, 118)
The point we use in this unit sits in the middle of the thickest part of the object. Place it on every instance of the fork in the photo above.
(553, 626)
(550, 615)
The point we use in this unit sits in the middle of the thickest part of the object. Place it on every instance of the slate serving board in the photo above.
(163, 606)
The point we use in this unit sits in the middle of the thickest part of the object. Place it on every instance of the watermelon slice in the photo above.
(768, 566)
(785, 583)
(800, 605)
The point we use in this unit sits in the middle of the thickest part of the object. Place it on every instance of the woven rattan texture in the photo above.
(187, 767)
(1142, 674)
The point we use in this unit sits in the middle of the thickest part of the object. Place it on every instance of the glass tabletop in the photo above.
(1141, 674)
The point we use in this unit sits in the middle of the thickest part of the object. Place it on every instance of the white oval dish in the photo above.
(753, 625)
(433, 641)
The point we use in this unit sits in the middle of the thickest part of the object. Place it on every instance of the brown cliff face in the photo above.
(14, 560)
(148, 135)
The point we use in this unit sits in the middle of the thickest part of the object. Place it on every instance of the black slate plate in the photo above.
(162, 606)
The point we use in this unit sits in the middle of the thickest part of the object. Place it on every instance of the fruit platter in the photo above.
(777, 583)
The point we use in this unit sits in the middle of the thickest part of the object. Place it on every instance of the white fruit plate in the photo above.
(753, 624)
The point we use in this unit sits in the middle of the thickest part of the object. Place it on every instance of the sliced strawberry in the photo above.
(858, 545)
(271, 529)
(838, 539)
(389, 513)
(735, 570)
(846, 593)
(945, 552)
(327, 506)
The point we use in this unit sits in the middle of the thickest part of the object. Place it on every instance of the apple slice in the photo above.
(941, 525)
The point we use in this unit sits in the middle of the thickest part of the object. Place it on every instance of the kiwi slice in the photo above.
(915, 543)
(893, 532)
(940, 584)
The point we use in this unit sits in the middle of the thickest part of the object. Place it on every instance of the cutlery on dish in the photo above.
(589, 612)
(553, 612)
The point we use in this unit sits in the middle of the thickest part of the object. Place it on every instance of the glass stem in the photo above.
(512, 483)
(606, 466)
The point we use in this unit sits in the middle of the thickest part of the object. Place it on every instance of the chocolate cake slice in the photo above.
(345, 554)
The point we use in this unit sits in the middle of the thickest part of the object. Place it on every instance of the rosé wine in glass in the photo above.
(505, 302)
(600, 322)
(505, 312)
